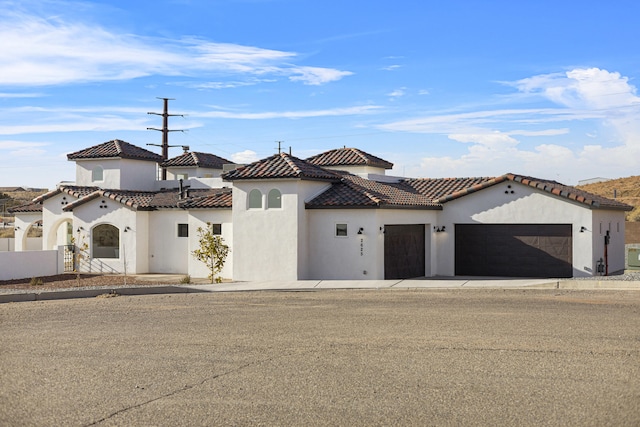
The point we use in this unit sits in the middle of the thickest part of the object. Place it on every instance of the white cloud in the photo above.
(19, 145)
(49, 50)
(397, 93)
(493, 139)
(315, 75)
(603, 99)
(590, 88)
(21, 95)
(366, 109)
(244, 157)
(392, 67)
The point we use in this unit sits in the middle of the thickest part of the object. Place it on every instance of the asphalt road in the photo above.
(385, 357)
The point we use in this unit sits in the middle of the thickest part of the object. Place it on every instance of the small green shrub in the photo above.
(185, 280)
(36, 281)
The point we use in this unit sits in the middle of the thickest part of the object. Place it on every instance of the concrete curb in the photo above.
(92, 293)
(293, 286)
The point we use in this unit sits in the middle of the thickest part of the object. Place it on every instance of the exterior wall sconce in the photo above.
(439, 229)
(16, 228)
(382, 230)
(361, 230)
(583, 229)
(127, 228)
(80, 228)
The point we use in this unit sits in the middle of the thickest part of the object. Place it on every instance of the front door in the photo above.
(404, 251)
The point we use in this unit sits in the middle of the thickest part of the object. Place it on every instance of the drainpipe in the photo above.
(607, 239)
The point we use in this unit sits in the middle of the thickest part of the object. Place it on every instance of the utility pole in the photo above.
(165, 133)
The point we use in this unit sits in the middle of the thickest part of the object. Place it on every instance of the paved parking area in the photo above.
(331, 357)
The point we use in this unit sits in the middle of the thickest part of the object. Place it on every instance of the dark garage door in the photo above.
(404, 251)
(513, 250)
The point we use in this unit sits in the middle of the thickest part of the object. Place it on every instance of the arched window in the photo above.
(105, 242)
(97, 174)
(274, 200)
(255, 199)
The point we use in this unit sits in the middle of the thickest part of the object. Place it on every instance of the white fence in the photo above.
(26, 264)
(8, 244)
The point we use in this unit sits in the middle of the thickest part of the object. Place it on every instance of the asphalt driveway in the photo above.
(343, 357)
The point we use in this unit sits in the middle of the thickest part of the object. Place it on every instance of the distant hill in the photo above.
(625, 190)
(9, 199)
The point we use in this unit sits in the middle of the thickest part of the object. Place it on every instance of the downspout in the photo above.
(607, 238)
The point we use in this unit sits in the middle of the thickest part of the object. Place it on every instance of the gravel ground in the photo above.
(71, 281)
(628, 275)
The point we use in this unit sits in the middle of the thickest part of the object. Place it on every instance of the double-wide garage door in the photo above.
(513, 250)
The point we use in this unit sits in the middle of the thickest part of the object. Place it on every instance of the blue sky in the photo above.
(439, 88)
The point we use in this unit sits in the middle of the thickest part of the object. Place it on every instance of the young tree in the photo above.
(212, 252)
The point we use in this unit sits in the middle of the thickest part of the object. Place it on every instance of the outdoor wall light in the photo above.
(583, 229)
(127, 228)
(382, 230)
(360, 230)
(439, 229)
(79, 228)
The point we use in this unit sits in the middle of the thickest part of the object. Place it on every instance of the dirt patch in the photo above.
(70, 280)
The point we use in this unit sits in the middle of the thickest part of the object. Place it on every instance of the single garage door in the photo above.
(404, 251)
(513, 250)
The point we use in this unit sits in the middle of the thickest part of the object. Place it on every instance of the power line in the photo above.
(165, 133)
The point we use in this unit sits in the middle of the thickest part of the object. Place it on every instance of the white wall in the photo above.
(525, 206)
(168, 253)
(612, 221)
(358, 170)
(125, 174)
(333, 257)
(271, 244)
(7, 244)
(54, 220)
(200, 218)
(193, 172)
(90, 214)
(23, 221)
(22, 265)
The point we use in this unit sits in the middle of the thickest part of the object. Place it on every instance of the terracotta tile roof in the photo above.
(36, 204)
(281, 165)
(356, 192)
(435, 188)
(431, 193)
(26, 208)
(348, 157)
(197, 159)
(553, 187)
(115, 149)
(165, 199)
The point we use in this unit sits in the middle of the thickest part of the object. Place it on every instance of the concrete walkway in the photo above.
(202, 285)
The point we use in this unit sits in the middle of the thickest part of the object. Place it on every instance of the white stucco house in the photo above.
(336, 215)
